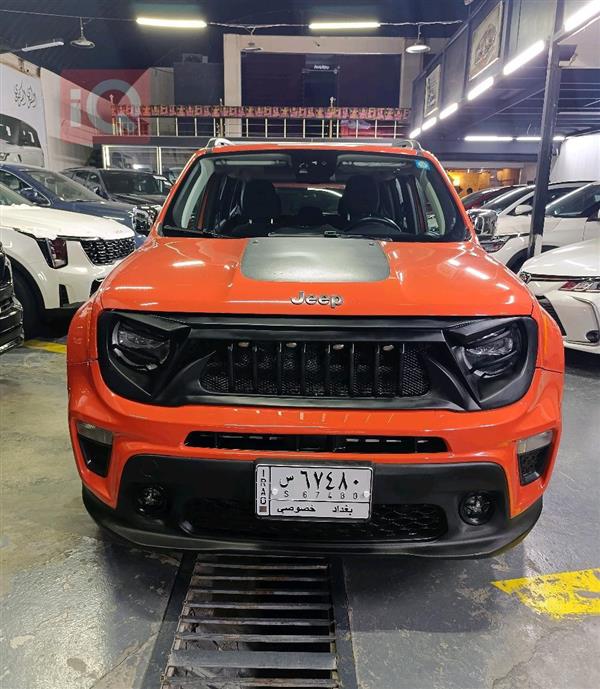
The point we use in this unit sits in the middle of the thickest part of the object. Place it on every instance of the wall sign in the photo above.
(432, 91)
(485, 42)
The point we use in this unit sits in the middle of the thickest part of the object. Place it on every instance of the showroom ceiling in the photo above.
(123, 44)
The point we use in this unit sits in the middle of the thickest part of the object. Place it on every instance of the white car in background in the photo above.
(570, 218)
(59, 258)
(566, 282)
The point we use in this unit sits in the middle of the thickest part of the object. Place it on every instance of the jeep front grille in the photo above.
(316, 369)
(106, 251)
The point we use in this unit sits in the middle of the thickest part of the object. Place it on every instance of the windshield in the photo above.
(580, 203)
(130, 182)
(330, 193)
(502, 202)
(61, 186)
(8, 197)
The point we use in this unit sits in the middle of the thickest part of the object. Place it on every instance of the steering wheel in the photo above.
(372, 218)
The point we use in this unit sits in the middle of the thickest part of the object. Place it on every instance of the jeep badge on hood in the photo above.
(321, 299)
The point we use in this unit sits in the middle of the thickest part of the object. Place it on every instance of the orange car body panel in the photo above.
(188, 275)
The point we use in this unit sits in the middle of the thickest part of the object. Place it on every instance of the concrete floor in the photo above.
(80, 612)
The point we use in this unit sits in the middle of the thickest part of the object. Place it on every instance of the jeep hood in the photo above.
(48, 223)
(406, 279)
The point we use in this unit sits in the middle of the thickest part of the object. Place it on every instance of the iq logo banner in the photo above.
(87, 96)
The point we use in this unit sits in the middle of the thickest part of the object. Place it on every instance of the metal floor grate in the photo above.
(255, 622)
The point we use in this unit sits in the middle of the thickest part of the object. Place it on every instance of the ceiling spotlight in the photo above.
(166, 23)
(487, 138)
(428, 124)
(587, 13)
(420, 47)
(415, 133)
(480, 88)
(82, 41)
(524, 57)
(449, 110)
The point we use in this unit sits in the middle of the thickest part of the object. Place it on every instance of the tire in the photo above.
(516, 262)
(32, 320)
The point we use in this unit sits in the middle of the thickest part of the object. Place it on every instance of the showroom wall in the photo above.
(579, 159)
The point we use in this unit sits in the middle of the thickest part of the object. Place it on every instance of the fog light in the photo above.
(533, 454)
(96, 446)
(476, 508)
(151, 500)
(593, 336)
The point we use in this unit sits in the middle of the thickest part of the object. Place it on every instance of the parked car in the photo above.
(58, 257)
(478, 198)
(53, 190)
(11, 311)
(508, 244)
(19, 142)
(133, 186)
(566, 282)
(352, 377)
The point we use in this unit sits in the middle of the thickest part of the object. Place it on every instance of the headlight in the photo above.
(582, 285)
(495, 353)
(496, 358)
(496, 243)
(55, 251)
(138, 348)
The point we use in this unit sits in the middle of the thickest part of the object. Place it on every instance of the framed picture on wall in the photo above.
(485, 42)
(432, 91)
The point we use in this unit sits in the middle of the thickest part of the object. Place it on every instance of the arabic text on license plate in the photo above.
(321, 492)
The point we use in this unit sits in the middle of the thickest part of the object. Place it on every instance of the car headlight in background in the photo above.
(582, 285)
(55, 251)
(139, 348)
(493, 244)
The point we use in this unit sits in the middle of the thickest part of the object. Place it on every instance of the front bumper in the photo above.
(577, 314)
(210, 505)
(481, 455)
(11, 321)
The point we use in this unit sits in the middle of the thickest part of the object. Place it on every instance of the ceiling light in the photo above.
(524, 57)
(332, 26)
(82, 41)
(529, 138)
(480, 88)
(165, 23)
(40, 46)
(420, 46)
(450, 110)
(559, 137)
(428, 124)
(587, 12)
(415, 133)
(487, 138)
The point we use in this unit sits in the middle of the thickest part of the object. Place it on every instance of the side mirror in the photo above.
(100, 191)
(34, 196)
(485, 222)
(523, 209)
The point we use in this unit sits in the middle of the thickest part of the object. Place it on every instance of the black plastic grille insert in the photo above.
(106, 251)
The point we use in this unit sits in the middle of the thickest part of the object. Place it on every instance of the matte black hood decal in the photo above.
(313, 259)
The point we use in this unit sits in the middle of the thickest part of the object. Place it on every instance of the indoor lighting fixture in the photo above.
(82, 41)
(486, 138)
(480, 88)
(587, 12)
(55, 42)
(450, 110)
(524, 57)
(428, 124)
(420, 46)
(415, 133)
(165, 23)
(333, 26)
(558, 137)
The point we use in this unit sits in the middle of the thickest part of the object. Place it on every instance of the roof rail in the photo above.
(408, 143)
(218, 141)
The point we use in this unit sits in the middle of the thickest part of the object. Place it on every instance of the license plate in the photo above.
(300, 491)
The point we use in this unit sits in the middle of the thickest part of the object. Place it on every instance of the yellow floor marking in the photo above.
(55, 347)
(558, 595)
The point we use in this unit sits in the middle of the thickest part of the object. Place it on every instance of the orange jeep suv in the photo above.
(312, 353)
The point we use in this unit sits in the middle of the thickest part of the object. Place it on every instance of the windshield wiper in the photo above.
(185, 232)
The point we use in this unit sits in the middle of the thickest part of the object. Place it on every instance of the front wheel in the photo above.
(32, 320)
